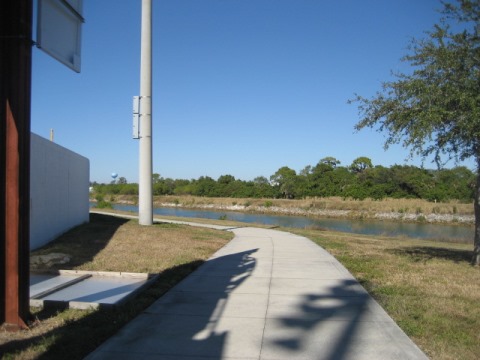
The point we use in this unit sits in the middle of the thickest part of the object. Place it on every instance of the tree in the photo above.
(156, 178)
(262, 187)
(411, 181)
(204, 186)
(457, 183)
(261, 180)
(284, 179)
(435, 109)
(330, 161)
(307, 170)
(360, 164)
(226, 179)
(227, 186)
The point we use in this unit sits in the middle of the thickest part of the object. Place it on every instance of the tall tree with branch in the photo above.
(435, 109)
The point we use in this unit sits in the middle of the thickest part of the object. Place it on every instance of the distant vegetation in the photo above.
(358, 181)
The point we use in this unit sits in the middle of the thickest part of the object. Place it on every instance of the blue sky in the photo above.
(240, 87)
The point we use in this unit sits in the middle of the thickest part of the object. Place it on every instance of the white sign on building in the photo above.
(59, 30)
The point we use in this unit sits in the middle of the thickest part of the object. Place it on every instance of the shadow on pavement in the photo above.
(76, 338)
(342, 305)
(187, 320)
(167, 327)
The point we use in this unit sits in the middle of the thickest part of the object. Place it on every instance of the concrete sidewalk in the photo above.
(266, 295)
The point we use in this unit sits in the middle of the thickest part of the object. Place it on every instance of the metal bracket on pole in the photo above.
(136, 117)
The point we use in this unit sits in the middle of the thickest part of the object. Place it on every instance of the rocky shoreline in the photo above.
(345, 214)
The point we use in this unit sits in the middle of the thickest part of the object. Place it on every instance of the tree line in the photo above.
(359, 180)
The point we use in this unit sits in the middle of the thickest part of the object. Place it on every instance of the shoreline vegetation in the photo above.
(402, 210)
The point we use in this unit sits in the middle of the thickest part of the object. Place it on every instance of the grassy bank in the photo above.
(111, 244)
(429, 288)
(335, 207)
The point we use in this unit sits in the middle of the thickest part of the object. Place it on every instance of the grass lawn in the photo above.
(429, 288)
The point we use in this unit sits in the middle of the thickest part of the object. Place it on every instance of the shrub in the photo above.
(104, 205)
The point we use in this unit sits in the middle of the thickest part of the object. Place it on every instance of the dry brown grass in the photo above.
(111, 244)
(114, 244)
(417, 206)
(429, 288)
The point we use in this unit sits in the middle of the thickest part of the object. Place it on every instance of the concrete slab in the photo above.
(313, 271)
(178, 335)
(221, 284)
(254, 267)
(217, 304)
(103, 290)
(306, 339)
(319, 307)
(328, 287)
(267, 295)
(84, 289)
(42, 283)
(255, 248)
(143, 356)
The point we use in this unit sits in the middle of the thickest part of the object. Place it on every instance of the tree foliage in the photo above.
(284, 182)
(361, 164)
(435, 109)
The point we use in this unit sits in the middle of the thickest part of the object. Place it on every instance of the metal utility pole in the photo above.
(145, 193)
(15, 94)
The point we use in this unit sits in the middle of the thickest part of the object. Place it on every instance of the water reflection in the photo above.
(456, 233)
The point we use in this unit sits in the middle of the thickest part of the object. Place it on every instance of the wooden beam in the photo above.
(15, 99)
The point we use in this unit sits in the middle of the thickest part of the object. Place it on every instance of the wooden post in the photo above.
(15, 99)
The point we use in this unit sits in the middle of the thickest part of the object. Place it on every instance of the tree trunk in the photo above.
(476, 243)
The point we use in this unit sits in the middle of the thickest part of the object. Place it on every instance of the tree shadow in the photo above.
(187, 321)
(78, 338)
(344, 305)
(427, 253)
(84, 241)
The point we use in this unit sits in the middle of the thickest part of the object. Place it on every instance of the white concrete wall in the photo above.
(59, 182)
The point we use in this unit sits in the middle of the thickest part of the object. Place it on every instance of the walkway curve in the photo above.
(267, 295)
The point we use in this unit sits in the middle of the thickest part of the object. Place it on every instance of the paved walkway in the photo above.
(266, 295)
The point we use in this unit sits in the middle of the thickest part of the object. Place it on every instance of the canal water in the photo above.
(457, 233)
